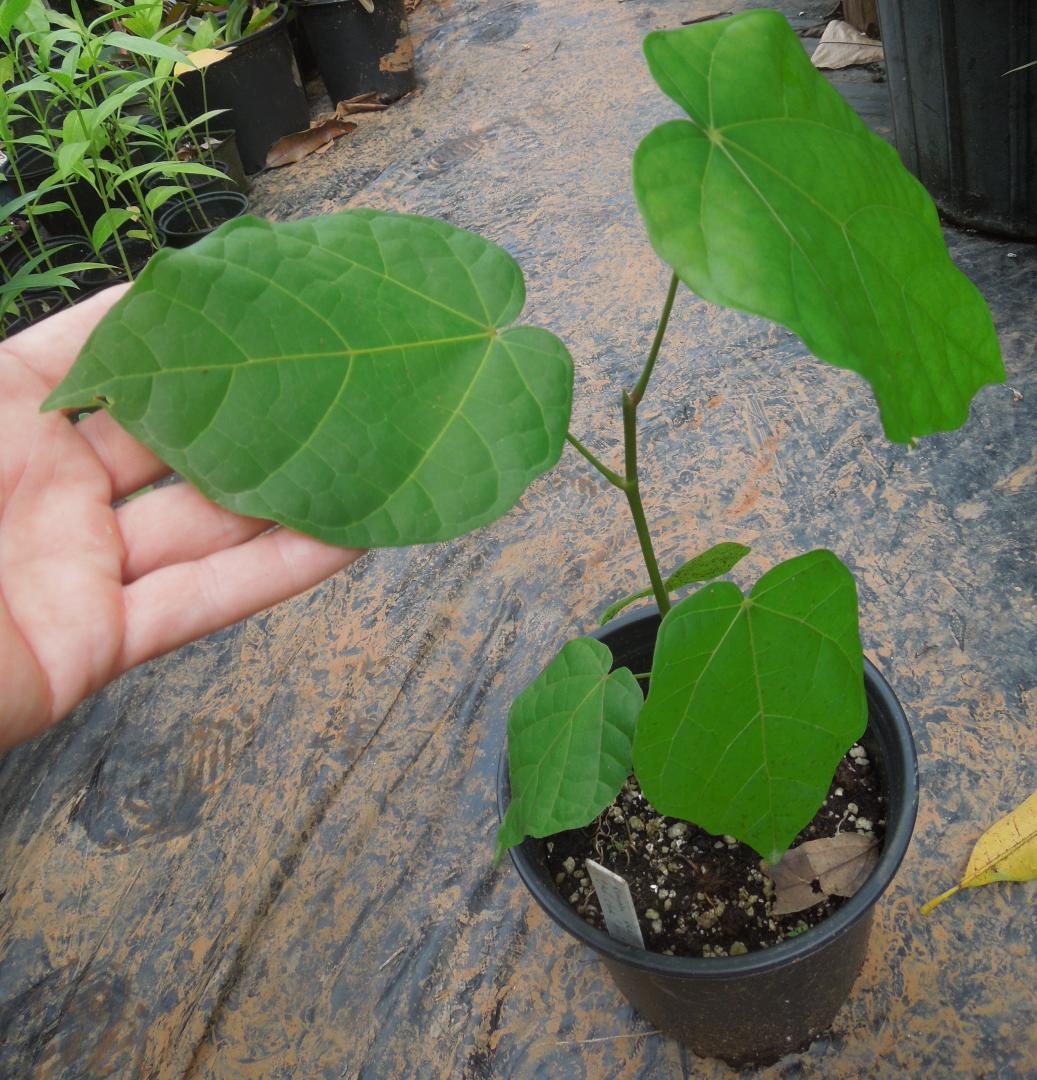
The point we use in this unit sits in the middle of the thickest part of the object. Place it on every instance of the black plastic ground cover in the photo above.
(270, 853)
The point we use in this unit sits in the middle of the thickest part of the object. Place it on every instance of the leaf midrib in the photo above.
(344, 353)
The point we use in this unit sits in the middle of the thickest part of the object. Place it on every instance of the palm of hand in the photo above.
(87, 590)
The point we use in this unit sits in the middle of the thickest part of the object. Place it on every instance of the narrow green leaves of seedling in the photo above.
(569, 737)
(718, 560)
(753, 702)
(345, 375)
(777, 200)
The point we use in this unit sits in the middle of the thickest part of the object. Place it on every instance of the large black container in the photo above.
(963, 126)
(260, 86)
(755, 1008)
(358, 51)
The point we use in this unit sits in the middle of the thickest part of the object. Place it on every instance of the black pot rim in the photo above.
(280, 15)
(55, 245)
(329, 3)
(34, 161)
(787, 952)
(207, 198)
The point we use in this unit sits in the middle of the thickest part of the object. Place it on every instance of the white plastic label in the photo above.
(617, 905)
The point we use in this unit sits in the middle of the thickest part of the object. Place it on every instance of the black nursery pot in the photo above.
(61, 251)
(260, 86)
(750, 1009)
(137, 250)
(198, 182)
(19, 246)
(187, 220)
(32, 167)
(32, 306)
(357, 51)
(964, 127)
(224, 145)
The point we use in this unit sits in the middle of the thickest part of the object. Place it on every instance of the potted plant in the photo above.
(964, 94)
(82, 149)
(378, 395)
(256, 81)
(360, 46)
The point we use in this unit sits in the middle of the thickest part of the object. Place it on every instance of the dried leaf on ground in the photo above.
(412, 5)
(1007, 851)
(838, 864)
(369, 102)
(294, 147)
(842, 45)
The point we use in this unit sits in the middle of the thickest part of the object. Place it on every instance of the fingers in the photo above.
(49, 347)
(176, 604)
(178, 524)
(130, 465)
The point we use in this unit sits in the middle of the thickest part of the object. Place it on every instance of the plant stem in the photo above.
(612, 477)
(629, 483)
(664, 320)
(633, 494)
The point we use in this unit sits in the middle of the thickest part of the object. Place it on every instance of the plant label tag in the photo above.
(617, 905)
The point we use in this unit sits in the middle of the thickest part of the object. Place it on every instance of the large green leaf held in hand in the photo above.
(345, 375)
(777, 200)
(569, 736)
(753, 702)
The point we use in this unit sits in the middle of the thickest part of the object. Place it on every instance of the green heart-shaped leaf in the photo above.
(753, 702)
(569, 737)
(777, 200)
(343, 375)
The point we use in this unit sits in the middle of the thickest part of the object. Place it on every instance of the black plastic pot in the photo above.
(61, 251)
(751, 1009)
(260, 86)
(208, 146)
(19, 246)
(137, 251)
(359, 51)
(32, 167)
(223, 144)
(35, 305)
(186, 220)
(304, 58)
(963, 126)
(197, 182)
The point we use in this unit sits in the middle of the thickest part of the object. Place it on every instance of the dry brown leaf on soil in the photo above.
(839, 865)
(369, 102)
(1007, 851)
(294, 147)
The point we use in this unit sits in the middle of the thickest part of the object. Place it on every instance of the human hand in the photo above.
(88, 591)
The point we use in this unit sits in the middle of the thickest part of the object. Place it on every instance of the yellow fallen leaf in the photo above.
(1007, 851)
